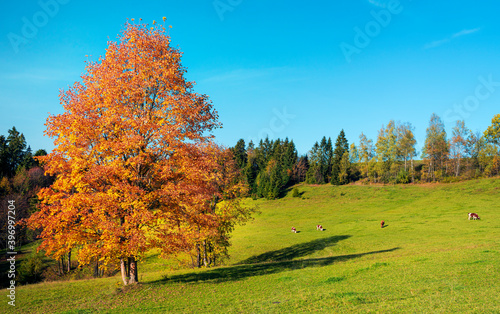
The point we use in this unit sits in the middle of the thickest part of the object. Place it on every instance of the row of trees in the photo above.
(267, 168)
(329, 165)
(391, 159)
(467, 154)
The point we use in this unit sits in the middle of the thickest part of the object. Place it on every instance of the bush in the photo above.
(30, 270)
(295, 192)
(403, 177)
(451, 179)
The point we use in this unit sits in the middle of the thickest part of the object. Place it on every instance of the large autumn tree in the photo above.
(133, 159)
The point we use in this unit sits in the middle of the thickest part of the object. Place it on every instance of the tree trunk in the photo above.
(60, 266)
(205, 253)
(198, 255)
(128, 265)
(209, 258)
(412, 172)
(123, 269)
(431, 172)
(133, 274)
(69, 261)
(192, 260)
(96, 269)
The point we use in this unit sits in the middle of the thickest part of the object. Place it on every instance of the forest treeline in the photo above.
(273, 165)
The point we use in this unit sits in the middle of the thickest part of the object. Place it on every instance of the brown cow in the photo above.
(474, 216)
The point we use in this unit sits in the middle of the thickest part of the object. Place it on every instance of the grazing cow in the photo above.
(382, 224)
(294, 230)
(474, 216)
(319, 227)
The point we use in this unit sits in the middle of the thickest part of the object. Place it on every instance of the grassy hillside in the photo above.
(429, 258)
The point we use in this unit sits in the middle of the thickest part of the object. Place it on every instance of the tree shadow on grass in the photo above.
(270, 263)
(294, 251)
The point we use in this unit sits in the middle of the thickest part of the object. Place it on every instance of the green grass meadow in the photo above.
(428, 259)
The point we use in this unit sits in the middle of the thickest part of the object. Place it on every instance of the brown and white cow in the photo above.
(382, 223)
(319, 227)
(294, 230)
(474, 216)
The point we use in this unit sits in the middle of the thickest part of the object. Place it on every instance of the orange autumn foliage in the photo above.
(133, 157)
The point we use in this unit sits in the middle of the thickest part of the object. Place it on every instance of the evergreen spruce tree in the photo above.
(325, 156)
(16, 151)
(314, 174)
(251, 171)
(4, 158)
(240, 154)
(329, 157)
(341, 147)
(276, 183)
(262, 184)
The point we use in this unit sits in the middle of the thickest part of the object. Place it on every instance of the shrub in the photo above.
(451, 179)
(403, 177)
(30, 269)
(295, 192)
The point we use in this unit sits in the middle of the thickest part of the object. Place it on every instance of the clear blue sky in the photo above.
(290, 68)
